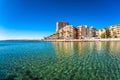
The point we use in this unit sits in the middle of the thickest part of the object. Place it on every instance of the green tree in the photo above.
(103, 35)
(115, 34)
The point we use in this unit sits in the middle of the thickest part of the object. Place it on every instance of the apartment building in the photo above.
(115, 31)
(66, 31)
(60, 25)
(69, 32)
(83, 32)
(92, 32)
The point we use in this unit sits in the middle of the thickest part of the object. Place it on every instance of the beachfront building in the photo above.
(87, 31)
(93, 32)
(105, 33)
(60, 25)
(61, 34)
(98, 33)
(115, 31)
(82, 32)
(59, 29)
(68, 32)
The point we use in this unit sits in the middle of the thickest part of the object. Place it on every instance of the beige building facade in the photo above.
(60, 25)
(68, 32)
(115, 31)
(83, 32)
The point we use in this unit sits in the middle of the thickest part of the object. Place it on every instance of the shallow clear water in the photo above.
(21, 60)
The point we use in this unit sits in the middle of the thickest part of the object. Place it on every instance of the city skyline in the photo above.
(31, 19)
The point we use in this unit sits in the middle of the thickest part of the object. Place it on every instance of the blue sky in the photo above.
(37, 18)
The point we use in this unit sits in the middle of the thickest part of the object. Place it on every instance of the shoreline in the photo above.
(83, 40)
(66, 40)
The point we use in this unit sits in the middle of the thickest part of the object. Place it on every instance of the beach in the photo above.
(82, 40)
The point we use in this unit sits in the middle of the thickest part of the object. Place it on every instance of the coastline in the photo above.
(82, 40)
(68, 40)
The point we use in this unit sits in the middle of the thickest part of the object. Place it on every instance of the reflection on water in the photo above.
(95, 60)
(65, 49)
(60, 61)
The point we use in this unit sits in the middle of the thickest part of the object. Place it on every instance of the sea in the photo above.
(34, 60)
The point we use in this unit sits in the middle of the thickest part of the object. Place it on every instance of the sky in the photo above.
(35, 19)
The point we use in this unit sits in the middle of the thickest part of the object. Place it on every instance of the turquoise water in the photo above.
(24, 60)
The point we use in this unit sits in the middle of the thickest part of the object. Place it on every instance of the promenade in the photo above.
(82, 40)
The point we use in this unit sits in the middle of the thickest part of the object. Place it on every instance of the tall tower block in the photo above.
(60, 25)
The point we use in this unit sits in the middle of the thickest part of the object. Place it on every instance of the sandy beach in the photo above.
(82, 40)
